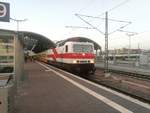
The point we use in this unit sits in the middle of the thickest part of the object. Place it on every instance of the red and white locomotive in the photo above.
(73, 55)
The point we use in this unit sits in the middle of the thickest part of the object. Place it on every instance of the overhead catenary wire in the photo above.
(89, 23)
(80, 16)
(89, 3)
(115, 7)
(128, 31)
(120, 28)
(79, 27)
(94, 27)
(102, 18)
(106, 29)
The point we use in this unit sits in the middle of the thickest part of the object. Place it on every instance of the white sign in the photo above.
(4, 12)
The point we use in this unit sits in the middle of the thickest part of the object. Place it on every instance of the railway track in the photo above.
(129, 74)
(143, 99)
(140, 92)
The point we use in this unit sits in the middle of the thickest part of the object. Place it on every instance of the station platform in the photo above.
(50, 90)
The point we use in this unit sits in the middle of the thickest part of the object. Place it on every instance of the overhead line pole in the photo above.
(106, 43)
(106, 33)
(106, 29)
(16, 20)
(129, 34)
(106, 37)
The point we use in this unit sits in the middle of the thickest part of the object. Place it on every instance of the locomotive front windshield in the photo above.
(79, 48)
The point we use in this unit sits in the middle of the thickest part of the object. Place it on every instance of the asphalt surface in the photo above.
(48, 91)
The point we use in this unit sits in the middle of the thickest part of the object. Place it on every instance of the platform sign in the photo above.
(4, 12)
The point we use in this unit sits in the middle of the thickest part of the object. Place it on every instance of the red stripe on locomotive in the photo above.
(73, 56)
(54, 56)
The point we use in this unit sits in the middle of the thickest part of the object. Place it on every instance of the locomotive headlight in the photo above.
(74, 61)
(91, 61)
(83, 54)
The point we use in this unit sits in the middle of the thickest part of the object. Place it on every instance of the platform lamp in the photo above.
(18, 21)
(130, 34)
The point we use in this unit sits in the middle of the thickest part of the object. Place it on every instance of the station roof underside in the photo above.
(38, 43)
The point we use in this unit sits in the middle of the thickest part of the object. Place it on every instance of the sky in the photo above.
(50, 18)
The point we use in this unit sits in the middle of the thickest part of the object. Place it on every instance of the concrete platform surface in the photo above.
(48, 90)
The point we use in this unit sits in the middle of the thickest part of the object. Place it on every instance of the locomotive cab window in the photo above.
(83, 48)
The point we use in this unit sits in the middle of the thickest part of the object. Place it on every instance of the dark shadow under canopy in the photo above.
(36, 42)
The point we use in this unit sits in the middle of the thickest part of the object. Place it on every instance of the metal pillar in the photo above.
(106, 43)
(129, 49)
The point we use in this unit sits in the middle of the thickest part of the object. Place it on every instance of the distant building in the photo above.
(145, 58)
(124, 51)
(123, 54)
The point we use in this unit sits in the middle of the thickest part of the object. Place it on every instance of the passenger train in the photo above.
(72, 55)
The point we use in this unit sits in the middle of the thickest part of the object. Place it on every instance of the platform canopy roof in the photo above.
(81, 39)
(31, 41)
(37, 43)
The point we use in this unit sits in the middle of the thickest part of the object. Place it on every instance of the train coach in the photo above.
(73, 55)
